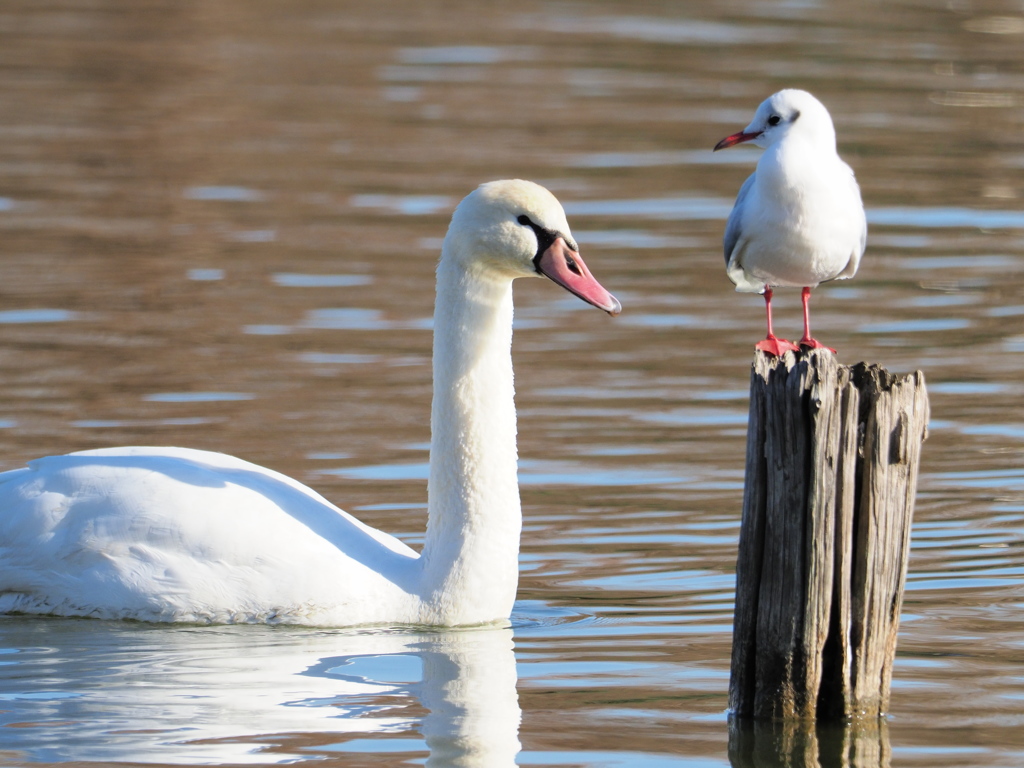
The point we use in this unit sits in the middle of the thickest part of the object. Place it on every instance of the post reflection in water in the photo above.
(793, 744)
(123, 693)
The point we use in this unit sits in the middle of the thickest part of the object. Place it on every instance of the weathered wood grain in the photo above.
(831, 474)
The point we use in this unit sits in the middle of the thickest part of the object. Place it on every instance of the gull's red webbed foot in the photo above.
(814, 344)
(776, 346)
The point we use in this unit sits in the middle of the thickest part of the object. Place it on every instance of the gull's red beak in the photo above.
(563, 265)
(736, 138)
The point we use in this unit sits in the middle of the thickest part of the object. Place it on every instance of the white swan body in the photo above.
(174, 534)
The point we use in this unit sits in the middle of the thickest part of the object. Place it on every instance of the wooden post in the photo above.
(831, 475)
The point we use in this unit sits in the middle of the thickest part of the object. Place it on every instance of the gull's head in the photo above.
(515, 228)
(787, 113)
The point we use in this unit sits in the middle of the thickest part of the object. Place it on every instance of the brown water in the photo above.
(219, 225)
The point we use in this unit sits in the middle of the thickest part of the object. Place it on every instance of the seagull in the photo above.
(798, 220)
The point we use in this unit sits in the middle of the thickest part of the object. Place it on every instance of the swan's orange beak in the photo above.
(565, 267)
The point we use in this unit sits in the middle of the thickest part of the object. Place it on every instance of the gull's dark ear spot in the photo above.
(796, 114)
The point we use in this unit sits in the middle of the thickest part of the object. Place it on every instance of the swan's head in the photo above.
(516, 228)
(783, 114)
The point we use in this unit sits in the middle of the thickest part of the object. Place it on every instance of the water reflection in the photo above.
(657, 159)
(465, 54)
(36, 316)
(408, 205)
(678, 31)
(224, 194)
(206, 275)
(188, 187)
(112, 692)
(857, 744)
(293, 280)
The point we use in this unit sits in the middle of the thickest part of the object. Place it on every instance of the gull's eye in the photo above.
(774, 120)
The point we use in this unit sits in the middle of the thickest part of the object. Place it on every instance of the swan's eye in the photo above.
(545, 238)
(774, 120)
(570, 262)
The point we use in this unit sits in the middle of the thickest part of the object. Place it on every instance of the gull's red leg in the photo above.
(772, 344)
(808, 340)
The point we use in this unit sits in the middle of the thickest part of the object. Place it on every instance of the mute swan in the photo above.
(173, 534)
(798, 219)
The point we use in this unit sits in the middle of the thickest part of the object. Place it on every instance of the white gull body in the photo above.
(173, 534)
(798, 219)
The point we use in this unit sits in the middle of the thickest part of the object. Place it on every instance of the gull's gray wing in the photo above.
(732, 226)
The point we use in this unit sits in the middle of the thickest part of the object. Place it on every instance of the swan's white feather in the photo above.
(184, 535)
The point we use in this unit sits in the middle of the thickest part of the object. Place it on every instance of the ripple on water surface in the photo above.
(19, 316)
(225, 194)
(198, 397)
(296, 280)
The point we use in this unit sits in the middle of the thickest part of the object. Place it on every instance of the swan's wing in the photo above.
(292, 494)
(190, 535)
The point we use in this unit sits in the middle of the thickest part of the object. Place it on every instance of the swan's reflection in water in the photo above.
(110, 692)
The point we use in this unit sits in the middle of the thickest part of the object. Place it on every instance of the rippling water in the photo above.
(220, 223)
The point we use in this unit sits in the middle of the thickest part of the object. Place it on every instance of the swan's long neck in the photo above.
(474, 520)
